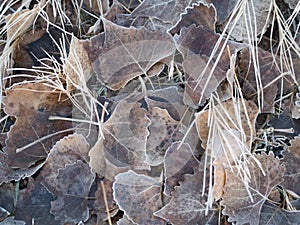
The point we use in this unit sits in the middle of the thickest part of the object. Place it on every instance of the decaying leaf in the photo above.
(32, 104)
(127, 53)
(198, 14)
(167, 10)
(125, 136)
(74, 183)
(163, 132)
(249, 14)
(197, 45)
(187, 205)
(77, 69)
(125, 221)
(243, 204)
(274, 215)
(99, 203)
(34, 205)
(224, 8)
(12, 221)
(230, 117)
(291, 159)
(66, 151)
(139, 196)
(179, 160)
(268, 73)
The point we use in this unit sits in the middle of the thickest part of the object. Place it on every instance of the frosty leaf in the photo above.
(165, 10)
(177, 163)
(291, 159)
(12, 221)
(236, 200)
(125, 135)
(32, 104)
(187, 205)
(34, 205)
(250, 15)
(7, 197)
(74, 183)
(125, 221)
(197, 44)
(274, 215)
(139, 196)
(224, 8)
(66, 151)
(170, 120)
(227, 109)
(198, 14)
(268, 72)
(129, 4)
(18, 23)
(77, 69)
(127, 53)
(163, 132)
(99, 203)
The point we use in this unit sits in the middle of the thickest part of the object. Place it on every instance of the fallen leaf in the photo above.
(227, 112)
(223, 8)
(32, 104)
(178, 161)
(12, 221)
(74, 183)
(291, 160)
(138, 196)
(99, 203)
(249, 15)
(242, 208)
(163, 132)
(76, 68)
(198, 14)
(166, 10)
(7, 198)
(197, 44)
(125, 221)
(34, 205)
(66, 151)
(125, 136)
(127, 53)
(188, 205)
(274, 215)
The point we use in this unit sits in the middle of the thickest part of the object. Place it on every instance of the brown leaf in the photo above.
(127, 53)
(170, 120)
(250, 15)
(196, 45)
(224, 8)
(187, 205)
(7, 198)
(268, 72)
(12, 221)
(239, 206)
(74, 183)
(32, 104)
(125, 221)
(125, 135)
(226, 110)
(139, 196)
(291, 159)
(179, 160)
(77, 69)
(274, 215)
(34, 205)
(66, 151)
(167, 11)
(198, 14)
(163, 132)
(99, 203)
